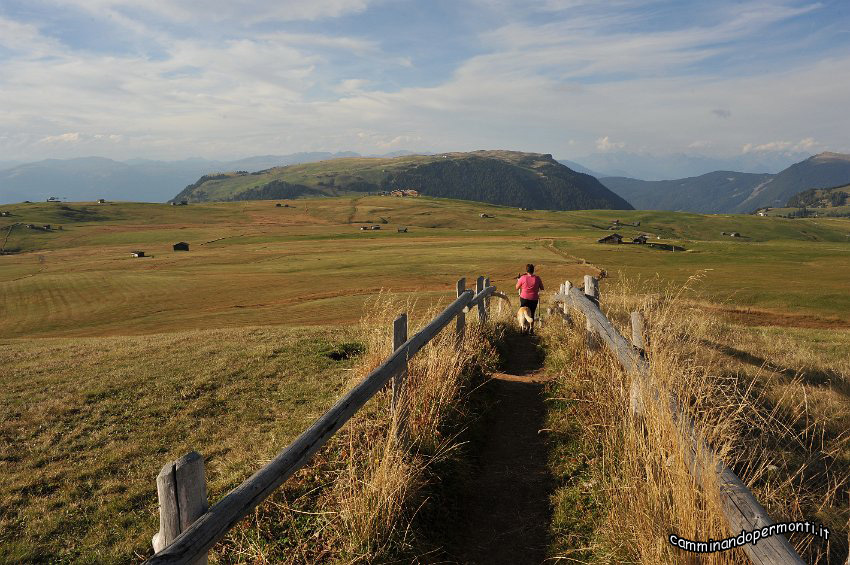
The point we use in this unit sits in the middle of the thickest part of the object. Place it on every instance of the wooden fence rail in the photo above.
(182, 540)
(741, 510)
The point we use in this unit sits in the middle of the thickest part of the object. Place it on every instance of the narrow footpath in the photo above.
(505, 513)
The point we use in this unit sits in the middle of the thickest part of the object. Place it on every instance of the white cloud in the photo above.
(70, 137)
(700, 144)
(551, 88)
(246, 11)
(807, 144)
(605, 144)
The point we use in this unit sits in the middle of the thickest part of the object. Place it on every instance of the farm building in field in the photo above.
(614, 238)
(137, 253)
(402, 230)
(364, 228)
(180, 203)
(278, 205)
(376, 227)
(101, 201)
(483, 215)
(181, 246)
(641, 239)
(4, 213)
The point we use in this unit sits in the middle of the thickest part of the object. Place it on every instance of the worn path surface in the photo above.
(505, 514)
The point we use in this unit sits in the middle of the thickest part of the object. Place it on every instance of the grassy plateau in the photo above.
(112, 365)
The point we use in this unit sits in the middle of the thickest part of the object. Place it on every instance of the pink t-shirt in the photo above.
(529, 286)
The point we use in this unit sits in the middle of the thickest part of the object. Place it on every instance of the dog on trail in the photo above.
(525, 320)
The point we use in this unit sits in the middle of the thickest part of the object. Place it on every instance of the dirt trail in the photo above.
(504, 516)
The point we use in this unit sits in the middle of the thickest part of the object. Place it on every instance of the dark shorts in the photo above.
(531, 304)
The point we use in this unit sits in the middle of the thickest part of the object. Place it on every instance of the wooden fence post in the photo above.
(486, 300)
(461, 317)
(482, 313)
(639, 343)
(399, 338)
(565, 308)
(591, 290)
(181, 488)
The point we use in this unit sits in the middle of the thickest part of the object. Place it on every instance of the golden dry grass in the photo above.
(636, 470)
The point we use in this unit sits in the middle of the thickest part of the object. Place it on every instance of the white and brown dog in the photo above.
(525, 320)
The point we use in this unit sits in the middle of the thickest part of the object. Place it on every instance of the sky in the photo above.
(173, 79)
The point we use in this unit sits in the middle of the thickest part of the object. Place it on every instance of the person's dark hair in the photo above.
(529, 268)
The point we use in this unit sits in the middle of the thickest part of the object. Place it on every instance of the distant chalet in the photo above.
(137, 253)
(180, 203)
(181, 246)
(613, 238)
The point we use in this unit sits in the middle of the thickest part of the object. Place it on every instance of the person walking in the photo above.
(529, 286)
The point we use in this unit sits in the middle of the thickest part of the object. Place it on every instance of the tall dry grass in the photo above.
(644, 474)
(389, 458)
(358, 500)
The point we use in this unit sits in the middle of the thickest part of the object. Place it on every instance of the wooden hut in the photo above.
(641, 239)
(137, 253)
(181, 246)
(614, 238)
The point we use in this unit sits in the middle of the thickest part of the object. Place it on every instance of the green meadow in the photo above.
(112, 365)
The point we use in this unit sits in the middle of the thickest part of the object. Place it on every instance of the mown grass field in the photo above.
(111, 365)
(254, 264)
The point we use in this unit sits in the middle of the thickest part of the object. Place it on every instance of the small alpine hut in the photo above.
(641, 239)
(402, 230)
(181, 246)
(137, 253)
(614, 238)
(376, 227)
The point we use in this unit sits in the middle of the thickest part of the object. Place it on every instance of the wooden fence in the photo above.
(742, 511)
(188, 528)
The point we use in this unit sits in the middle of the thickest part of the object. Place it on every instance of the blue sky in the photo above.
(176, 78)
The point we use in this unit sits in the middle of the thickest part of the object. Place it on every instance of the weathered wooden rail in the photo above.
(188, 529)
(741, 509)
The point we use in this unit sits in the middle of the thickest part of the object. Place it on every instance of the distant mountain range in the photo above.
(733, 192)
(680, 165)
(510, 178)
(144, 180)
(728, 190)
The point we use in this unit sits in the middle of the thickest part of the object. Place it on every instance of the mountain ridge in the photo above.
(733, 191)
(510, 178)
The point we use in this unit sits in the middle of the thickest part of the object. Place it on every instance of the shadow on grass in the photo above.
(811, 377)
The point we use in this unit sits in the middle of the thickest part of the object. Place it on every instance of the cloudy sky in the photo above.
(170, 79)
